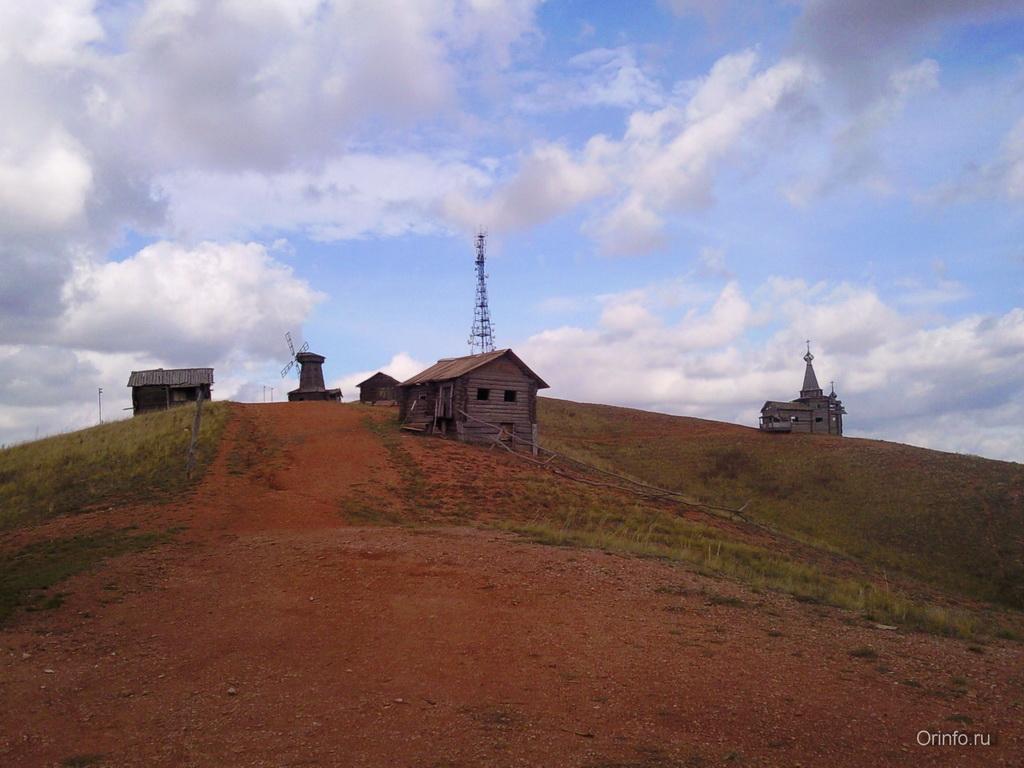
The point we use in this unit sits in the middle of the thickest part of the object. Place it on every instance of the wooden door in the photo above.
(446, 406)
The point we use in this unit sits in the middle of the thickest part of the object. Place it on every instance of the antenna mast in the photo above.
(481, 337)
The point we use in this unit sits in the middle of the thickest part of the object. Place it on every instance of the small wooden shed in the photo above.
(378, 388)
(481, 398)
(163, 388)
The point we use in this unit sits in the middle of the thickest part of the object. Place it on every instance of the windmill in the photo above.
(309, 366)
(294, 362)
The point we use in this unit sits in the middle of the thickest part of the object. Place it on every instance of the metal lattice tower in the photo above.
(481, 337)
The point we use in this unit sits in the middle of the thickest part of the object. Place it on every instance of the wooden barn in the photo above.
(160, 389)
(480, 398)
(379, 388)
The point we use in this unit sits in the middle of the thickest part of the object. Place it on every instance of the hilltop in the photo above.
(951, 519)
(335, 591)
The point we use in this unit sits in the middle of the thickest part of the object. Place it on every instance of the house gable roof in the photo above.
(379, 378)
(449, 368)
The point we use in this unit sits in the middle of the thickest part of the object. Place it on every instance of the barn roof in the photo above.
(379, 376)
(171, 377)
(449, 368)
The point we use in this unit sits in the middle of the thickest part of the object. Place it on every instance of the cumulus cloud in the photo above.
(185, 305)
(629, 228)
(900, 375)
(668, 159)
(665, 162)
(549, 181)
(225, 305)
(40, 375)
(47, 33)
(45, 188)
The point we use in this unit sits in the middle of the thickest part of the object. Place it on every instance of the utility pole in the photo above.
(99, 401)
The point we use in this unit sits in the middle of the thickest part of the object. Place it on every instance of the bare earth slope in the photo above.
(275, 629)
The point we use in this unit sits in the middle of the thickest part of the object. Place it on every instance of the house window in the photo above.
(510, 395)
(818, 419)
(483, 394)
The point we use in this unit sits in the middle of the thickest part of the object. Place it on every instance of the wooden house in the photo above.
(813, 411)
(480, 398)
(160, 389)
(378, 388)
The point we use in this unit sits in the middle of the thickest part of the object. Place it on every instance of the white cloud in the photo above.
(45, 187)
(668, 159)
(630, 228)
(190, 305)
(47, 33)
(548, 182)
(356, 195)
(232, 85)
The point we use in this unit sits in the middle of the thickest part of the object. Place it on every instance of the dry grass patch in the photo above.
(141, 457)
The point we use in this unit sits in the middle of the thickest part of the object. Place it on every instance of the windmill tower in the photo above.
(311, 374)
(481, 336)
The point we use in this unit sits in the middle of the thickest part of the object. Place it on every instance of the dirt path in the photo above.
(272, 633)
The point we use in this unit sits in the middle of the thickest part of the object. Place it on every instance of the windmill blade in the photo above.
(287, 368)
(304, 347)
(291, 347)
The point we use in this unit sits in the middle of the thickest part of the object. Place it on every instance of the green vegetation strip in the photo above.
(27, 575)
(952, 520)
(413, 491)
(648, 533)
(141, 457)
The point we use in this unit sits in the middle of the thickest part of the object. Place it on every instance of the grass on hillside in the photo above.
(140, 457)
(955, 521)
(27, 575)
(549, 510)
(565, 516)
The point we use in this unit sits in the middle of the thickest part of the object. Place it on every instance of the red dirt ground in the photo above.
(273, 633)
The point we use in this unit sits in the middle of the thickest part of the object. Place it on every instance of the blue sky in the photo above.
(677, 195)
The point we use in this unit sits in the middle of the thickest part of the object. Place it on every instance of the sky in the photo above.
(677, 195)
